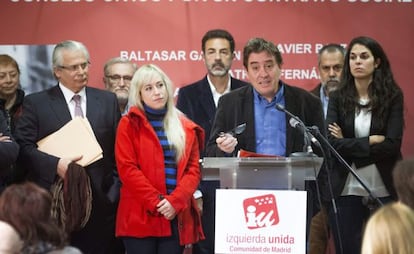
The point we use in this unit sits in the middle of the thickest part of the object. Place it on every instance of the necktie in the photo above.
(78, 109)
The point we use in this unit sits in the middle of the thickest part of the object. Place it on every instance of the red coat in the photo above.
(140, 163)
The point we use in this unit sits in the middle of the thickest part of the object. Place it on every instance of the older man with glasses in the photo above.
(118, 73)
(46, 112)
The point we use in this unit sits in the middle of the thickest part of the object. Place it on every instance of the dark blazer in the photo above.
(316, 91)
(46, 112)
(196, 102)
(8, 150)
(238, 107)
(358, 151)
(15, 110)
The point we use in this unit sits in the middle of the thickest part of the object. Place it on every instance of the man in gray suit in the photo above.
(46, 112)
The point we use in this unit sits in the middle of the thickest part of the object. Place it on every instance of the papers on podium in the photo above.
(73, 139)
(244, 153)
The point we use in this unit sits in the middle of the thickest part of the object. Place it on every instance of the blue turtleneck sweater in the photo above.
(156, 118)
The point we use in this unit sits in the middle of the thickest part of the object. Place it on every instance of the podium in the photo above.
(278, 173)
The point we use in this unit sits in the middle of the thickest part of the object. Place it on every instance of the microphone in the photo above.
(282, 108)
(295, 122)
(298, 125)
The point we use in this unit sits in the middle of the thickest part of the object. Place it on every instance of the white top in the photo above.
(369, 174)
(217, 95)
(68, 94)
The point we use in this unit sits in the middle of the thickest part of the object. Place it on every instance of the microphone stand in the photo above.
(307, 148)
(315, 131)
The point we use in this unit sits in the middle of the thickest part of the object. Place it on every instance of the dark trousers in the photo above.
(208, 218)
(155, 245)
(347, 227)
(98, 236)
(312, 203)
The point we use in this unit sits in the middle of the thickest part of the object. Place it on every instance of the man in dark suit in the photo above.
(46, 112)
(199, 101)
(267, 129)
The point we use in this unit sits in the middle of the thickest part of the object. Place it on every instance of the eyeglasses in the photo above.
(75, 67)
(117, 78)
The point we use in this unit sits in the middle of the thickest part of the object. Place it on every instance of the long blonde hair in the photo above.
(390, 231)
(172, 124)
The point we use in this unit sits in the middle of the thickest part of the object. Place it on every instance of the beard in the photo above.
(218, 69)
(331, 85)
(122, 96)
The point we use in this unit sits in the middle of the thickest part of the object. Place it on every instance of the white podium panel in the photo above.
(260, 221)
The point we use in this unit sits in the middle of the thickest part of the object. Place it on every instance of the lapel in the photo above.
(348, 128)
(93, 106)
(294, 108)
(245, 113)
(59, 106)
(206, 98)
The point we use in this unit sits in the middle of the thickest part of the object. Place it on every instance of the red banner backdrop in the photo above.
(168, 33)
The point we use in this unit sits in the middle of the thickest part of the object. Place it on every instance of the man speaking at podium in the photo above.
(268, 130)
(264, 108)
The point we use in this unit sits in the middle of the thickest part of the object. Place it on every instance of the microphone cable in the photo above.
(328, 176)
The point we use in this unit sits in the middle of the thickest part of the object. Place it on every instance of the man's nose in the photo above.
(263, 71)
(217, 56)
(332, 72)
(122, 82)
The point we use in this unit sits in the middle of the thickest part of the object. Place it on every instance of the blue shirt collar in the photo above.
(276, 99)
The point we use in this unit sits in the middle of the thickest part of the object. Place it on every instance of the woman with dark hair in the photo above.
(11, 95)
(27, 208)
(403, 179)
(365, 125)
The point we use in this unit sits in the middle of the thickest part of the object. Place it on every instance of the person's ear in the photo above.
(377, 63)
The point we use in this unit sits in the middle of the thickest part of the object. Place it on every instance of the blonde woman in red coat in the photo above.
(157, 152)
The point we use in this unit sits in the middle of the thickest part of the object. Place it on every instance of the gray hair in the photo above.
(57, 57)
(117, 60)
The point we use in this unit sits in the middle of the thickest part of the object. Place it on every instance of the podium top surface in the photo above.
(261, 172)
(230, 162)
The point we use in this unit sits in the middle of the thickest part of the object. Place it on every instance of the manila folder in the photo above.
(73, 139)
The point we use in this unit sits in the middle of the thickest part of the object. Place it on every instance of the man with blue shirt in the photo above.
(267, 129)
(330, 63)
